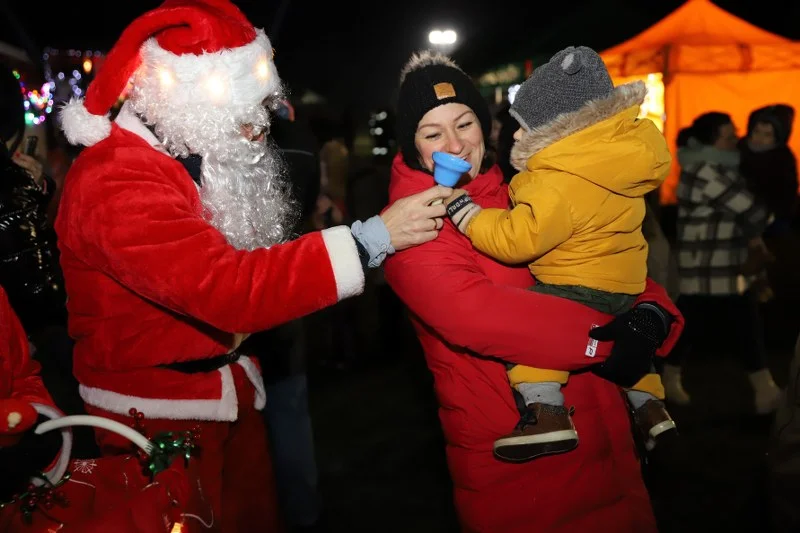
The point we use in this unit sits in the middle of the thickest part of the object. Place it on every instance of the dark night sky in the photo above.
(352, 52)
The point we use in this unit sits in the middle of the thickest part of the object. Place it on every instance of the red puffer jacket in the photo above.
(464, 303)
(19, 374)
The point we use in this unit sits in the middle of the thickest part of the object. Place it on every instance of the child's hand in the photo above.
(461, 209)
(457, 193)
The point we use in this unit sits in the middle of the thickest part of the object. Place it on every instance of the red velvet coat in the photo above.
(19, 374)
(465, 303)
(150, 282)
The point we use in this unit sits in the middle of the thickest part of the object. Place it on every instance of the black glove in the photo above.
(636, 334)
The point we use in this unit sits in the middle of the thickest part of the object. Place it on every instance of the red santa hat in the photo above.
(190, 44)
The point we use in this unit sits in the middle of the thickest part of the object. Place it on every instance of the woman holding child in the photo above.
(474, 316)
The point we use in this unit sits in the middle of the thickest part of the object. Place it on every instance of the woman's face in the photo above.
(451, 128)
(727, 138)
(763, 134)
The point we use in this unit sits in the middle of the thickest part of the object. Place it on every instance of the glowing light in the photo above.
(442, 37)
(216, 87)
(38, 102)
(653, 105)
(166, 77)
(262, 69)
(87, 65)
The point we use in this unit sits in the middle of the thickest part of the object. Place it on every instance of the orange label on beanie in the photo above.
(444, 90)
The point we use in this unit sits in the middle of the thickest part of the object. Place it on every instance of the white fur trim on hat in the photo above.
(244, 75)
(82, 127)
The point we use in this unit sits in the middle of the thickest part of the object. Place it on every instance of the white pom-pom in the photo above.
(14, 419)
(80, 126)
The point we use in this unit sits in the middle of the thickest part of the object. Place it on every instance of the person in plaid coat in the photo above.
(717, 218)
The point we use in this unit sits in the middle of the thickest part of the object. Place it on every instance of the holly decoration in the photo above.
(47, 495)
(165, 447)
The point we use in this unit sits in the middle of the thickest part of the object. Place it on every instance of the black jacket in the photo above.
(772, 177)
(29, 269)
(282, 350)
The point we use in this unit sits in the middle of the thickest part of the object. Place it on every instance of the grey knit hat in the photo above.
(572, 77)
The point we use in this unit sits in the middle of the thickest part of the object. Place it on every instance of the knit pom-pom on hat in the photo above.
(424, 59)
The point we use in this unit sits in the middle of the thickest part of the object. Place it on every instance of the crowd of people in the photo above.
(206, 241)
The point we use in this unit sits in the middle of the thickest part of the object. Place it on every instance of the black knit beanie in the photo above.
(430, 80)
(12, 110)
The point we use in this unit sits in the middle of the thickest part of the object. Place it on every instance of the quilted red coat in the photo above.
(464, 303)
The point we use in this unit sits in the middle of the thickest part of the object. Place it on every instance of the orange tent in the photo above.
(710, 60)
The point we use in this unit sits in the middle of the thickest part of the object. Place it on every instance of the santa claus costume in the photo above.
(170, 230)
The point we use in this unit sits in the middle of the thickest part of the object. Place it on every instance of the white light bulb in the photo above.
(262, 69)
(216, 86)
(167, 80)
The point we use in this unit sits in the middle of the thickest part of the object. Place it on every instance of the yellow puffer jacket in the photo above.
(578, 202)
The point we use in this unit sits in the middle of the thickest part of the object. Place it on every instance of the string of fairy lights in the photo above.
(60, 85)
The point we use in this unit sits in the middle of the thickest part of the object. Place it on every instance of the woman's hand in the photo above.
(31, 166)
(637, 334)
(412, 220)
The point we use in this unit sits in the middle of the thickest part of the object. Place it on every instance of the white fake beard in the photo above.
(245, 189)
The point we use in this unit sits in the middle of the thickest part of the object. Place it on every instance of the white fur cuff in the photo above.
(346, 265)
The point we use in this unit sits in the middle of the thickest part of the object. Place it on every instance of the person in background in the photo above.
(29, 269)
(505, 141)
(283, 351)
(29, 258)
(770, 168)
(717, 219)
(768, 164)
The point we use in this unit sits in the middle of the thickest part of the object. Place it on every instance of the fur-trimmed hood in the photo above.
(603, 142)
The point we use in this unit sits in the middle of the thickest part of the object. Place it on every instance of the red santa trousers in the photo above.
(235, 489)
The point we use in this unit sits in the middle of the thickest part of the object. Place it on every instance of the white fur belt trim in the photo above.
(224, 409)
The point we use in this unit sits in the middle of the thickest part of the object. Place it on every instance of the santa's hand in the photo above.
(461, 209)
(413, 220)
(16, 417)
